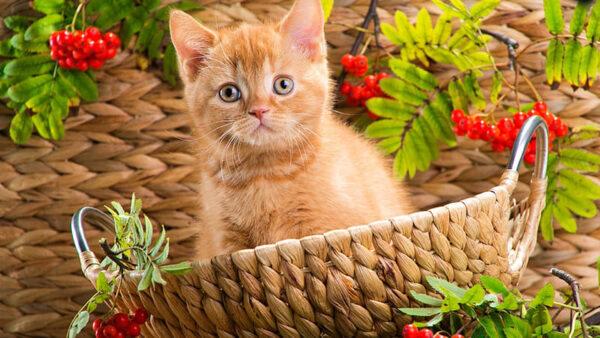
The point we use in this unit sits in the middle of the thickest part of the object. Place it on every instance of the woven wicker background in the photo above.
(135, 139)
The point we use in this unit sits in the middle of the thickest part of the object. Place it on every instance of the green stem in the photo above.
(82, 309)
(79, 7)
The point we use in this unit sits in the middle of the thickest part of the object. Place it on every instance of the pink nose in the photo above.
(258, 112)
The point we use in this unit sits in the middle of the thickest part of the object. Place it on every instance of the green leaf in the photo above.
(327, 7)
(18, 41)
(402, 91)
(32, 86)
(492, 299)
(440, 126)
(483, 8)
(42, 28)
(544, 297)
(460, 6)
(571, 61)
(154, 46)
(390, 144)
(91, 306)
(146, 278)
(577, 203)
(132, 24)
(400, 165)
(546, 223)
(151, 4)
(58, 108)
(403, 25)
(426, 134)
(170, 65)
(145, 37)
(21, 127)
(48, 6)
(95, 6)
(416, 150)
(551, 59)
(579, 159)
(163, 255)
(450, 10)
(474, 92)
(586, 58)
(592, 69)
(425, 299)
(391, 33)
(30, 65)
(539, 318)
(156, 276)
(17, 23)
(443, 29)
(473, 296)
(494, 285)
(509, 303)
(385, 128)
(421, 312)
(424, 29)
(159, 243)
(496, 87)
(554, 17)
(177, 269)
(579, 16)
(118, 10)
(592, 30)
(573, 181)
(390, 108)
(564, 218)
(148, 232)
(488, 325)
(64, 87)
(444, 287)
(435, 320)
(413, 74)
(450, 303)
(102, 283)
(82, 82)
(458, 94)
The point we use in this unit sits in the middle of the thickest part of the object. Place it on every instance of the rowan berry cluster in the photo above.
(411, 331)
(359, 94)
(81, 50)
(502, 135)
(120, 325)
(355, 65)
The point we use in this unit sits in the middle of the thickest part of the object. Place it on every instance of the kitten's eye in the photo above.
(229, 93)
(283, 85)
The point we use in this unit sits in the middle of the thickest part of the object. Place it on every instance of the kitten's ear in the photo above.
(304, 26)
(192, 41)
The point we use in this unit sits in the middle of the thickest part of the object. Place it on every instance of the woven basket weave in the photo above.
(134, 139)
(345, 282)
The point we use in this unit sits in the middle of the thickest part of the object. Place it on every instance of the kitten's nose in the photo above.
(258, 112)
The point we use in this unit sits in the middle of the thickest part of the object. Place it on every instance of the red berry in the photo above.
(140, 315)
(120, 334)
(541, 107)
(95, 63)
(352, 102)
(64, 38)
(465, 124)
(54, 55)
(347, 60)
(78, 39)
(458, 131)
(370, 81)
(121, 320)
(551, 135)
(360, 61)
(346, 88)
(99, 333)
(473, 135)
(82, 65)
(88, 46)
(425, 333)
(458, 335)
(547, 116)
(78, 55)
(531, 113)
(133, 329)
(97, 323)
(479, 127)
(367, 93)
(410, 331)
(563, 130)
(519, 119)
(112, 40)
(382, 75)
(69, 62)
(530, 158)
(457, 115)
(109, 331)
(555, 123)
(93, 33)
(110, 53)
(505, 124)
(371, 115)
(492, 132)
(498, 147)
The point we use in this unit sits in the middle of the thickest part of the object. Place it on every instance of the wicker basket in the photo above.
(346, 282)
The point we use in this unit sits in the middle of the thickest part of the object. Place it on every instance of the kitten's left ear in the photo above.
(304, 27)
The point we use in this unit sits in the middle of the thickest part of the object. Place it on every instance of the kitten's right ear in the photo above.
(191, 41)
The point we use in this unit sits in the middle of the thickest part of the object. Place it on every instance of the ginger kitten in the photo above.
(274, 161)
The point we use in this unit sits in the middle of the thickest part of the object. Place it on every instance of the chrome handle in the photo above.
(77, 226)
(531, 125)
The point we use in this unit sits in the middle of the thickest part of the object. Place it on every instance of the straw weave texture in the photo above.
(135, 139)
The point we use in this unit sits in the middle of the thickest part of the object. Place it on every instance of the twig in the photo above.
(113, 256)
(511, 44)
(575, 287)
(371, 15)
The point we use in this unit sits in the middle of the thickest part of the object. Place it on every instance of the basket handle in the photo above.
(531, 125)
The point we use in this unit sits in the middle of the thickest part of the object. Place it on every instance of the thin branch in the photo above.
(113, 256)
(576, 288)
(511, 44)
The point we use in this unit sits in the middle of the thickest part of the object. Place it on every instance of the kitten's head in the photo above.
(262, 85)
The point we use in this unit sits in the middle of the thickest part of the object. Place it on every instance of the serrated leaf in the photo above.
(488, 325)
(564, 218)
(102, 283)
(586, 58)
(571, 61)
(592, 30)
(577, 203)
(17, 23)
(148, 232)
(42, 28)
(474, 93)
(170, 65)
(159, 243)
(145, 37)
(391, 34)
(132, 24)
(156, 276)
(424, 29)
(95, 6)
(449, 9)
(443, 29)
(390, 108)
(164, 254)
(421, 312)
(579, 159)
(425, 299)
(546, 223)
(579, 16)
(539, 318)
(32, 86)
(550, 59)
(118, 10)
(554, 17)
(450, 303)
(578, 183)
(146, 278)
(509, 303)
(402, 91)
(390, 144)
(413, 74)
(496, 87)
(327, 7)
(30, 65)
(544, 297)
(58, 107)
(403, 25)
(592, 69)
(460, 6)
(154, 46)
(37, 46)
(458, 95)
(444, 287)
(494, 285)
(400, 167)
(483, 8)
(48, 6)
(416, 149)
(492, 299)
(385, 128)
(439, 125)
(426, 134)
(21, 127)
(473, 296)
(177, 269)
(82, 82)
